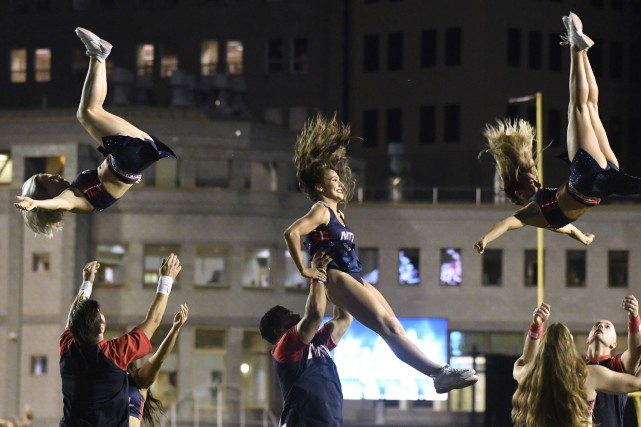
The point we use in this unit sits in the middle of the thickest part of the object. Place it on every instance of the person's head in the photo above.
(44, 186)
(511, 145)
(321, 151)
(603, 334)
(275, 322)
(551, 392)
(86, 322)
(153, 408)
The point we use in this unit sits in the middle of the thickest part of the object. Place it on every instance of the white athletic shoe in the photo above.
(450, 378)
(96, 47)
(574, 33)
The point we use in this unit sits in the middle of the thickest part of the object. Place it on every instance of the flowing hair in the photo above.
(40, 221)
(510, 143)
(322, 145)
(551, 393)
(153, 408)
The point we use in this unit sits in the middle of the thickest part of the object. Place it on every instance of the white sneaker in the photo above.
(450, 378)
(574, 33)
(96, 47)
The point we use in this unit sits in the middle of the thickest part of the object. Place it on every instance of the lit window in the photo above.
(300, 56)
(293, 278)
(208, 57)
(408, 267)
(113, 263)
(18, 65)
(41, 262)
(257, 268)
(451, 273)
(145, 59)
(38, 365)
(274, 55)
(54, 165)
(235, 57)
(168, 64)
(210, 266)
(153, 256)
(6, 167)
(42, 60)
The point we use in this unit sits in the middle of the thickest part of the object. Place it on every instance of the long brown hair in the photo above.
(322, 145)
(510, 142)
(551, 392)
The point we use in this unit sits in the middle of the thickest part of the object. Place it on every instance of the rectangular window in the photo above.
(145, 59)
(554, 127)
(300, 55)
(257, 265)
(427, 124)
(152, 260)
(618, 269)
(453, 46)
(370, 128)
(274, 56)
(370, 53)
(234, 57)
(39, 365)
(575, 262)
(208, 57)
(41, 262)
(395, 51)
(394, 125)
(428, 48)
(369, 259)
(408, 266)
(293, 278)
(6, 167)
(53, 165)
(18, 65)
(616, 60)
(513, 47)
(531, 267)
(492, 267)
(452, 123)
(42, 61)
(535, 49)
(210, 266)
(113, 264)
(168, 64)
(555, 53)
(451, 273)
(208, 339)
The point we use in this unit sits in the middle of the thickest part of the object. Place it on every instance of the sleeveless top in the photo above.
(136, 401)
(549, 204)
(93, 190)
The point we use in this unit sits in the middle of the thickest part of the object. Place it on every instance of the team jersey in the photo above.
(609, 408)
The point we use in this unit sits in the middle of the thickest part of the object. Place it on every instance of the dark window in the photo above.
(453, 46)
(616, 60)
(370, 128)
(395, 51)
(274, 55)
(300, 55)
(492, 267)
(535, 49)
(555, 53)
(428, 48)
(513, 47)
(575, 268)
(370, 53)
(531, 267)
(618, 269)
(554, 129)
(394, 125)
(452, 123)
(635, 63)
(427, 124)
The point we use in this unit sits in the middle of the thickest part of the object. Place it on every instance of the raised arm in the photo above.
(340, 323)
(497, 230)
(66, 201)
(88, 277)
(605, 380)
(632, 356)
(169, 269)
(532, 340)
(147, 374)
(316, 301)
(317, 216)
(575, 233)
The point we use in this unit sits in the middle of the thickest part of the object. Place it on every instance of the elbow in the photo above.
(289, 234)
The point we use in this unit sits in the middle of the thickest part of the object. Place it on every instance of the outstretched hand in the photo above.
(541, 314)
(480, 246)
(25, 203)
(90, 270)
(315, 273)
(170, 266)
(181, 317)
(587, 239)
(631, 305)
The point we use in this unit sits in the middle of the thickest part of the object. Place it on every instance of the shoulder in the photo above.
(289, 347)
(616, 363)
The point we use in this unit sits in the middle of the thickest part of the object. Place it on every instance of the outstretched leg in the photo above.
(91, 114)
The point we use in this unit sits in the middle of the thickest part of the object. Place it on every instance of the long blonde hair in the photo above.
(510, 142)
(322, 145)
(551, 393)
(40, 221)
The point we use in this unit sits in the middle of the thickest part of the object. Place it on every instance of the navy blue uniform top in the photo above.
(547, 201)
(308, 379)
(95, 389)
(609, 408)
(93, 190)
(136, 401)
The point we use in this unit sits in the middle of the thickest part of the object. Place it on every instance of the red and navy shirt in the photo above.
(95, 389)
(609, 408)
(308, 380)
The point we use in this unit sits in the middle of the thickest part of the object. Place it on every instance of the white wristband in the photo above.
(85, 289)
(164, 285)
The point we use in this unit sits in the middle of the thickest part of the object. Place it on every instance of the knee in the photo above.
(390, 325)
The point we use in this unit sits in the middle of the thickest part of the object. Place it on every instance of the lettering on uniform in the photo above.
(347, 235)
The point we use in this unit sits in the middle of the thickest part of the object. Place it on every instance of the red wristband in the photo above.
(317, 282)
(634, 324)
(535, 331)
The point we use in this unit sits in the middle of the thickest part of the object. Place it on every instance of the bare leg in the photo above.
(580, 133)
(364, 305)
(93, 117)
(593, 108)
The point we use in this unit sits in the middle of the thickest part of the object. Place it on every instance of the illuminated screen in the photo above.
(451, 267)
(369, 370)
